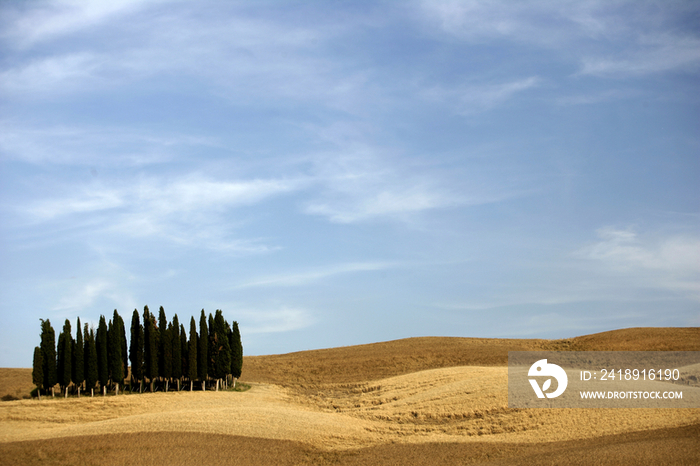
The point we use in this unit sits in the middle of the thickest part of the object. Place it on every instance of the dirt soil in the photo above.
(440, 400)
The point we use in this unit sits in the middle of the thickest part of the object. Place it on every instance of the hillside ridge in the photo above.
(374, 361)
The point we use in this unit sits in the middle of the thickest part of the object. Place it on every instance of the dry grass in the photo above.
(15, 384)
(677, 446)
(442, 400)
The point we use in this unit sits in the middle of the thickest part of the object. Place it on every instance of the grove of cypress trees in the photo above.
(136, 349)
(91, 371)
(176, 359)
(102, 355)
(48, 354)
(101, 342)
(202, 350)
(38, 370)
(78, 365)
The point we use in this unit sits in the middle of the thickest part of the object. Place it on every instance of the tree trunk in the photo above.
(92, 393)
(178, 385)
(116, 389)
(191, 383)
(204, 386)
(38, 392)
(166, 385)
(234, 382)
(141, 386)
(53, 395)
(104, 390)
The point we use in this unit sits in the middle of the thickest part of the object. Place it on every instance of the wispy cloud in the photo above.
(92, 146)
(242, 56)
(539, 22)
(669, 262)
(625, 249)
(605, 35)
(314, 275)
(47, 75)
(475, 98)
(193, 210)
(46, 20)
(652, 55)
(104, 286)
(90, 200)
(282, 319)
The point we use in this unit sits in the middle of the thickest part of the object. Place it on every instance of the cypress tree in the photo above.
(162, 327)
(38, 370)
(78, 358)
(91, 371)
(177, 357)
(110, 346)
(223, 350)
(167, 340)
(192, 353)
(65, 345)
(136, 349)
(101, 344)
(236, 352)
(212, 351)
(48, 354)
(184, 354)
(150, 331)
(124, 347)
(202, 350)
(115, 351)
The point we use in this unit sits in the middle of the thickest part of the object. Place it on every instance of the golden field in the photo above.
(435, 400)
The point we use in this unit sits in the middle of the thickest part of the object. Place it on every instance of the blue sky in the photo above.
(336, 173)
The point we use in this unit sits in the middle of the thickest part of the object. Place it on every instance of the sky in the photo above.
(340, 173)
